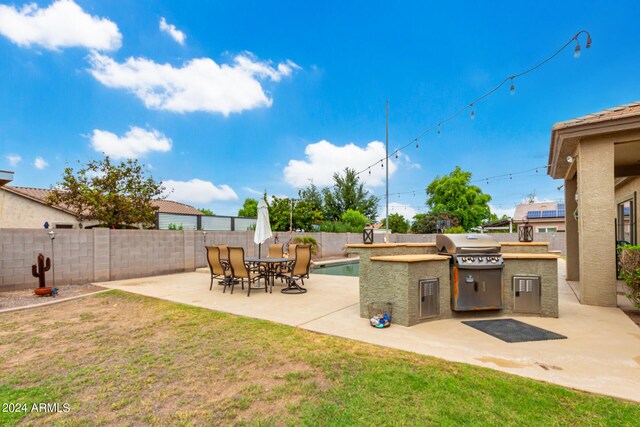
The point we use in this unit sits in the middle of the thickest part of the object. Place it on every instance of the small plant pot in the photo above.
(43, 291)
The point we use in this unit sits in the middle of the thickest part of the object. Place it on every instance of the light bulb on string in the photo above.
(382, 164)
(396, 154)
(512, 89)
(576, 51)
(473, 112)
(417, 145)
(369, 171)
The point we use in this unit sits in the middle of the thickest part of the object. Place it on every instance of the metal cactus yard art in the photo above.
(38, 271)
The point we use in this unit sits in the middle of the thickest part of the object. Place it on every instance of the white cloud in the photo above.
(198, 191)
(323, 159)
(13, 159)
(40, 163)
(252, 191)
(405, 210)
(134, 143)
(502, 211)
(171, 29)
(199, 85)
(62, 24)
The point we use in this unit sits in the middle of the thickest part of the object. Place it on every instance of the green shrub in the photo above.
(175, 227)
(630, 272)
(308, 240)
(355, 219)
(338, 227)
(455, 230)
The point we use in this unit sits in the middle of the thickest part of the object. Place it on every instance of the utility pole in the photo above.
(291, 217)
(386, 226)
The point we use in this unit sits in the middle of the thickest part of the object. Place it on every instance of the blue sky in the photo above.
(224, 100)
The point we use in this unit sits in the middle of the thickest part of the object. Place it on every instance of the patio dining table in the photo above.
(272, 266)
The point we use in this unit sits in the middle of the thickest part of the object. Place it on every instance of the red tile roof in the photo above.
(40, 195)
(621, 111)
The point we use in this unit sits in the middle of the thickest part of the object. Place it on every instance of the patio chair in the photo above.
(240, 269)
(298, 270)
(285, 269)
(276, 251)
(218, 266)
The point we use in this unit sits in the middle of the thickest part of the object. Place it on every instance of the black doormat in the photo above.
(511, 330)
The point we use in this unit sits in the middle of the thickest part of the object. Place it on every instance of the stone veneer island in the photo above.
(391, 272)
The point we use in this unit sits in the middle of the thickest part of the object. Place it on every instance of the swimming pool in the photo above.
(341, 269)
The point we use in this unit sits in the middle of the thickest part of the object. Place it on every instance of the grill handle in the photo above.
(477, 250)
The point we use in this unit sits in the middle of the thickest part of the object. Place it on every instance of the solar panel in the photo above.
(534, 214)
(561, 206)
(549, 214)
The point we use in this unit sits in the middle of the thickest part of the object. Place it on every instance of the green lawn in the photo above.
(116, 358)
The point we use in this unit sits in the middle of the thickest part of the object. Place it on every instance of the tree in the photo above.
(116, 195)
(206, 211)
(398, 224)
(348, 193)
(312, 197)
(355, 219)
(426, 223)
(453, 194)
(249, 208)
(304, 216)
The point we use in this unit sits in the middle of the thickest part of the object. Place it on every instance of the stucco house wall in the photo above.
(20, 212)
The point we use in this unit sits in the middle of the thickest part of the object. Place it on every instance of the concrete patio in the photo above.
(601, 354)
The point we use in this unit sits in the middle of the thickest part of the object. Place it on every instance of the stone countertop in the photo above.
(389, 245)
(410, 258)
(524, 243)
(529, 256)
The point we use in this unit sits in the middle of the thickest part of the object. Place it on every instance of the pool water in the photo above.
(346, 269)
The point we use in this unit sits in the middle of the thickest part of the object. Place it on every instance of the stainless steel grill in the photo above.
(476, 270)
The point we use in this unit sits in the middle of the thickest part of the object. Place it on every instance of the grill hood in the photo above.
(466, 244)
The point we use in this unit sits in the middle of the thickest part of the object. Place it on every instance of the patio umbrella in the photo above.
(263, 227)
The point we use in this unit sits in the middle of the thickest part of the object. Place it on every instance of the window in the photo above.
(62, 226)
(546, 229)
(626, 221)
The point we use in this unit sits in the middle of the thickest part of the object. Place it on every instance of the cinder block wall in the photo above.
(82, 256)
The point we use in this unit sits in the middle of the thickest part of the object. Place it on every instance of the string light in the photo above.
(487, 179)
(439, 131)
(417, 146)
(576, 51)
(473, 112)
(512, 89)
(495, 89)
(369, 171)
(396, 154)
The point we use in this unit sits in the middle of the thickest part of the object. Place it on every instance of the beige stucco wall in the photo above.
(20, 212)
(596, 208)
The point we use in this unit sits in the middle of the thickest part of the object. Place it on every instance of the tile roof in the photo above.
(523, 208)
(169, 206)
(621, 111)
(40, 195)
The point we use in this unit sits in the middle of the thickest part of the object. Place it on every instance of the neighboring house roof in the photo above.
(169, 206)
(539, 210)
(40, 195)
(626, 110)
(5, 177)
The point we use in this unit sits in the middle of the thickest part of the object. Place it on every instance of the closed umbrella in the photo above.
(263, 227)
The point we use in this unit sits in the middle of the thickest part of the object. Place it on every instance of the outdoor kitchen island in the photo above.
(458, 276)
